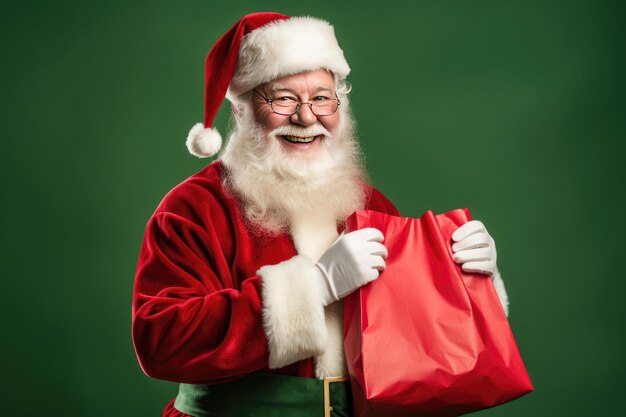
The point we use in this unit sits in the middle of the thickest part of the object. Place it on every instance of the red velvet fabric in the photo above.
(171, 411)
(221, 61)
(197, 299)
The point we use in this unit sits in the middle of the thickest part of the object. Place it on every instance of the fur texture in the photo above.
(307, 199)
(312, 236)
(332, 362)
(203, 142)
(286, 47)
(293, 316)
(278, 188)
(279, 48)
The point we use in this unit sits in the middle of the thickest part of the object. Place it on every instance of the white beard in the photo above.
(277, 187)
(305, 195)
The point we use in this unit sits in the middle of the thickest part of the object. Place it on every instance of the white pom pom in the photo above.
(203, 142)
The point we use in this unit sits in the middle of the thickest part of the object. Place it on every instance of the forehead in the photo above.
(309, 80)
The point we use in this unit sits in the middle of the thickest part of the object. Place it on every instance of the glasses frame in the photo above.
(299, 106)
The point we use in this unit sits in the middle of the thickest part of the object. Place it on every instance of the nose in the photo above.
(304, 116)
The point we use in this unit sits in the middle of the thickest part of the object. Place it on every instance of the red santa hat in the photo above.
(260, 48)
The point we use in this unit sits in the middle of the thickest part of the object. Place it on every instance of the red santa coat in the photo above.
(214, 301)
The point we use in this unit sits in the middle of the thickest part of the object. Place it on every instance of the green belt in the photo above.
(267, 395)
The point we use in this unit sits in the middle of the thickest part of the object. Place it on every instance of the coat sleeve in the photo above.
(190, 324)
(194, 322)
(378, 202)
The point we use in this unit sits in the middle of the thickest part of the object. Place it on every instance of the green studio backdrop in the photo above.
(514, 110)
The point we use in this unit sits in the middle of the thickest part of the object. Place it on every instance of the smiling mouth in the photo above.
(300, 139)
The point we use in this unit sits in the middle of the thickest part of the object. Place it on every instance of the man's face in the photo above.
(301, 132)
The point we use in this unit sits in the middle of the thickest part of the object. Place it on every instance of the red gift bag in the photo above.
(426, 338)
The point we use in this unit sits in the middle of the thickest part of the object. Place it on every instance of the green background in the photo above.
(513, 110)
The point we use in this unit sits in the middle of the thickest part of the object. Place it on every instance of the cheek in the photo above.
(268, 119)
(330, 122)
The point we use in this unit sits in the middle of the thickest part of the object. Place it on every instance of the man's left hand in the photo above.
(474, 249)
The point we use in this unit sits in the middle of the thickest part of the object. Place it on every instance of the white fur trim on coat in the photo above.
(312, 236)
(203, 142)
(332, 362)
(498, 284)
(286, 47)
(293, 315)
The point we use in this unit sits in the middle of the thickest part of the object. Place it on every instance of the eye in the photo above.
(284, 99)
(321, 99)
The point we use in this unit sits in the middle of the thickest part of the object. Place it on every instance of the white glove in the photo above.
(355, 259)
(475, 249)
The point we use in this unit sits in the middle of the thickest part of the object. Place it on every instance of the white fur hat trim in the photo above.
(203, 142)
(286, 47)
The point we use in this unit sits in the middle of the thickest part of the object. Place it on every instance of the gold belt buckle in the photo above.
(327, 382)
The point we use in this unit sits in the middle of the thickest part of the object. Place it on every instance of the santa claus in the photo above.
(243, 266)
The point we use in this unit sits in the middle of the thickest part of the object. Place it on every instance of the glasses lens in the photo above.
(285, 106)
(325, 107)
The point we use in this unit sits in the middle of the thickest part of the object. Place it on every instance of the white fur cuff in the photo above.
(293, 314)
(498, 284)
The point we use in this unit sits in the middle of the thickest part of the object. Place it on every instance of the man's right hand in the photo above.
(355, 259)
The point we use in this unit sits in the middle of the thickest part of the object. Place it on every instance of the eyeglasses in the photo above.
(287, 106)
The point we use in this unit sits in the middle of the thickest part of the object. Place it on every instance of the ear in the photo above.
(237, 111)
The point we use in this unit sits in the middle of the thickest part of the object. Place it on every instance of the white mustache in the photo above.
(303, 132)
